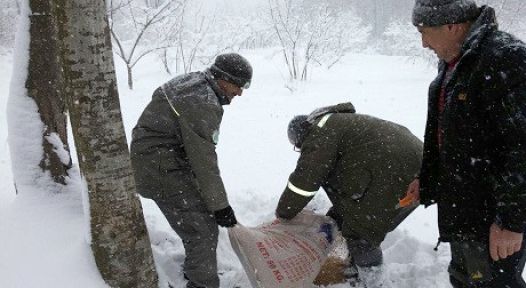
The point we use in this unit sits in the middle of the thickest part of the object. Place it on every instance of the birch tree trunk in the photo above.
(120, 241)
(44, 85)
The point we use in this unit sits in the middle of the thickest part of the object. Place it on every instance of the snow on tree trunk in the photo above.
(36, 122)
(44, 86)
(120, 241)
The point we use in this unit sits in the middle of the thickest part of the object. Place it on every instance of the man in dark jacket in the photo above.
(363, 163)
(175, 162)
(474, 163)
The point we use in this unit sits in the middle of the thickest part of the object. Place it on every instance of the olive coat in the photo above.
(363, 163)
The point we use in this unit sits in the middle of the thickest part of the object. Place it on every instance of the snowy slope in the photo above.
(42, 237)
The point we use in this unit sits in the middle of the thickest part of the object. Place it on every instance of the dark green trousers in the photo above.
(160, 177)
(199, 233)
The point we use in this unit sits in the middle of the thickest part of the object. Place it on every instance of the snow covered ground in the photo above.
(42, 236)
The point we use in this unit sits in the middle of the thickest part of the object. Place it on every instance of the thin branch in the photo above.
(144, 53)
(120, 52)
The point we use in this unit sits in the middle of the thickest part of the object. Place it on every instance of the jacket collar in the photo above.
(485, 23)
(339, 108)
(223, 100)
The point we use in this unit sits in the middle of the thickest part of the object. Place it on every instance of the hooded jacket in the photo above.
(478, 176)
(363, 163)
(173, 144)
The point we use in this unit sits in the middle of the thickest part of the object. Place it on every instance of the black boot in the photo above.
(352, 276)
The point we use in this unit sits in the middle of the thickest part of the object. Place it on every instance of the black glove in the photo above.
(225, 217)
(336, 217)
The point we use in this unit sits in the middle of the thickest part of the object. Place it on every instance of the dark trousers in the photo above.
(175, 191)
(472, 267)
(364, 254)
(199, 233)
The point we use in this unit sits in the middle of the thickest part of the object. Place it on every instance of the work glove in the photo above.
(336, 217)
(225, 217)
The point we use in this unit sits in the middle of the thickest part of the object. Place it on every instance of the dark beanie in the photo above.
(298, 129)
(430, 13)
(233, 68)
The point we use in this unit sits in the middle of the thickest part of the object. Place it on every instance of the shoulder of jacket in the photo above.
(192, 87)
(322, 120)
(502, 45)
(341, 119)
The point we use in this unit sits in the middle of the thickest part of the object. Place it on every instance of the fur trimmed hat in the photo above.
(430, 13)
(232, 68)
(298, 129)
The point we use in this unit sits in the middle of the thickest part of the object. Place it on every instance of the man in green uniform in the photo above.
(175, 162)
(364, 164)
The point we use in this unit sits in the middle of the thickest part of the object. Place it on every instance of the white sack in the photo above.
(284, 254)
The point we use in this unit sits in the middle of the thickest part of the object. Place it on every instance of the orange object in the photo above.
(406, 201)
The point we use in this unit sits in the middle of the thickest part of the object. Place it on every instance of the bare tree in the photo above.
(190, 41)
(120, 241)
(187, 37)
(311, 34)
(130, 38)
(198, 33)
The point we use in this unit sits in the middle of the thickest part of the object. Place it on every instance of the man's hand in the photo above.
(503, 243)
(225, 217)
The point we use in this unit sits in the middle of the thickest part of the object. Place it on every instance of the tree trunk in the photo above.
(178, 60)
(165, 62)
(130, 76)
(120, 240)
(44, 85)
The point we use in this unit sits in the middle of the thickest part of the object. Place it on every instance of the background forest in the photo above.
(187, 34)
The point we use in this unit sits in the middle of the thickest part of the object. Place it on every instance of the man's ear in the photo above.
(456, 28)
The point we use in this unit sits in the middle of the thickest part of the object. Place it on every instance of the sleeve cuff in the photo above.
(290, 204)
(508, 224)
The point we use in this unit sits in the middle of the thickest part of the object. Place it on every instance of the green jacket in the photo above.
(173, 144)
(364, 165)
